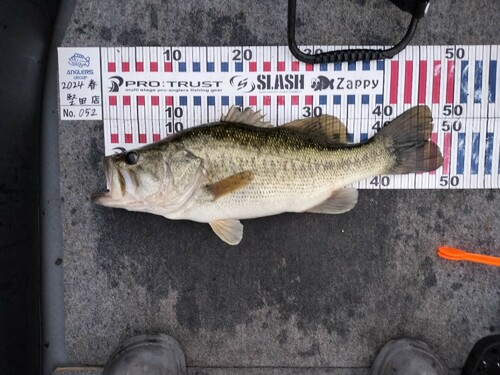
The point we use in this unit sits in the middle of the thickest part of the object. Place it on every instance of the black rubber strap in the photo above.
(352, 54)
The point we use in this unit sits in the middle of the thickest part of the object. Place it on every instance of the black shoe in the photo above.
(407, 357)
(484, 358)
(147, 355)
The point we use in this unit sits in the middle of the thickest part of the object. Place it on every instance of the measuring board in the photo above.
(144, 94)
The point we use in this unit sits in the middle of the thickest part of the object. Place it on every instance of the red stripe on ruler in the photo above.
(422, 82)
(295, 100)
(125, 66)
(252, 66)
(156, 137)
(142, 138)
(295, 66)
(446, 152)
(436, 81)
(434, 138)
(155, 100)
(252, 100)
(167, 66)
(126, 100)
(128, 138)
(408, 81)
(393, 94)
(139, 66)
(267, 100)
(169, 100)
(114, 138)
(450, 81)
(153, 66)
(266, 66)
(309, 67)
(112, 100)
(281, 66)
(309, 99)
(281, 100)
(111, 67)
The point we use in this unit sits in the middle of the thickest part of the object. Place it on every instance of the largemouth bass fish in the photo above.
(241, 167)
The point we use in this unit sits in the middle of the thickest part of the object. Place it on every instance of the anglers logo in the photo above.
(242, 84)
(116, 82)
(342, 83)
(79, 60)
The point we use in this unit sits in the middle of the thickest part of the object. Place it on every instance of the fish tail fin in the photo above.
(407, 139)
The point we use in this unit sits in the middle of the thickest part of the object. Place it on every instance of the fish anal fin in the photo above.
(341, 200)
(230, 184)
(229, 230)
(248, 116)
(326, 128)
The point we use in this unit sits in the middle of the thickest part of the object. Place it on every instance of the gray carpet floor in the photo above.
(302, 290)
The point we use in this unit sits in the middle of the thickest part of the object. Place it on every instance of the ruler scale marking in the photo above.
(148, 93)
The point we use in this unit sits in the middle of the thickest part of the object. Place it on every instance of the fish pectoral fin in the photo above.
(340, 201)
(247, 116)
(324, 128)
(230, 184)
(229, 230)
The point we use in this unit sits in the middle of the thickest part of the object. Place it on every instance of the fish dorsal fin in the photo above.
(325, 128)
(230, 184)
(229, 230)
(247, 116)
(340, 201)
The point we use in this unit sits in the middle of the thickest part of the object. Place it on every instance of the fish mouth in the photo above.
(115, 183)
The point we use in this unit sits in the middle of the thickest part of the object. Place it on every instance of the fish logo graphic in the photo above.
(79, 60)
(321, 83)
(116, 82)
(242, 84)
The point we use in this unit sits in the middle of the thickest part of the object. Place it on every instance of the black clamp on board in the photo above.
(418, 10)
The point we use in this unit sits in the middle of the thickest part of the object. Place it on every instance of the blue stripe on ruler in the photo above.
(478, 82)
(182, 67)
(323, 67)
(211, 100)
(380, 65)
(461, 153)
(239, 101)
(196, 66)
(464, 81)
(225, 100)
(238, 66)
(364, 137)
(224, 67)
(322, 99)
(337, 66)
(183, 100)
(365, 99)
(489, 153)
(351, 99)
(492, 82)
(336, 99)
(351, 65)
(379, 99)
(210, 67)
(350, 137)
(366, 65)
(474, 164)
(197, 100)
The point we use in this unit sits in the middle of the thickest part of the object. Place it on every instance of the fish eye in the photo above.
(131, 157)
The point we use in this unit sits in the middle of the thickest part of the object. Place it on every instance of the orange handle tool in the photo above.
(451, 253)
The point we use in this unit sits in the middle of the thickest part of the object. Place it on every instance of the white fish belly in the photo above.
(242, 205)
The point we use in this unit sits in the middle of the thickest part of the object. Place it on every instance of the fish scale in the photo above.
(458, 82)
